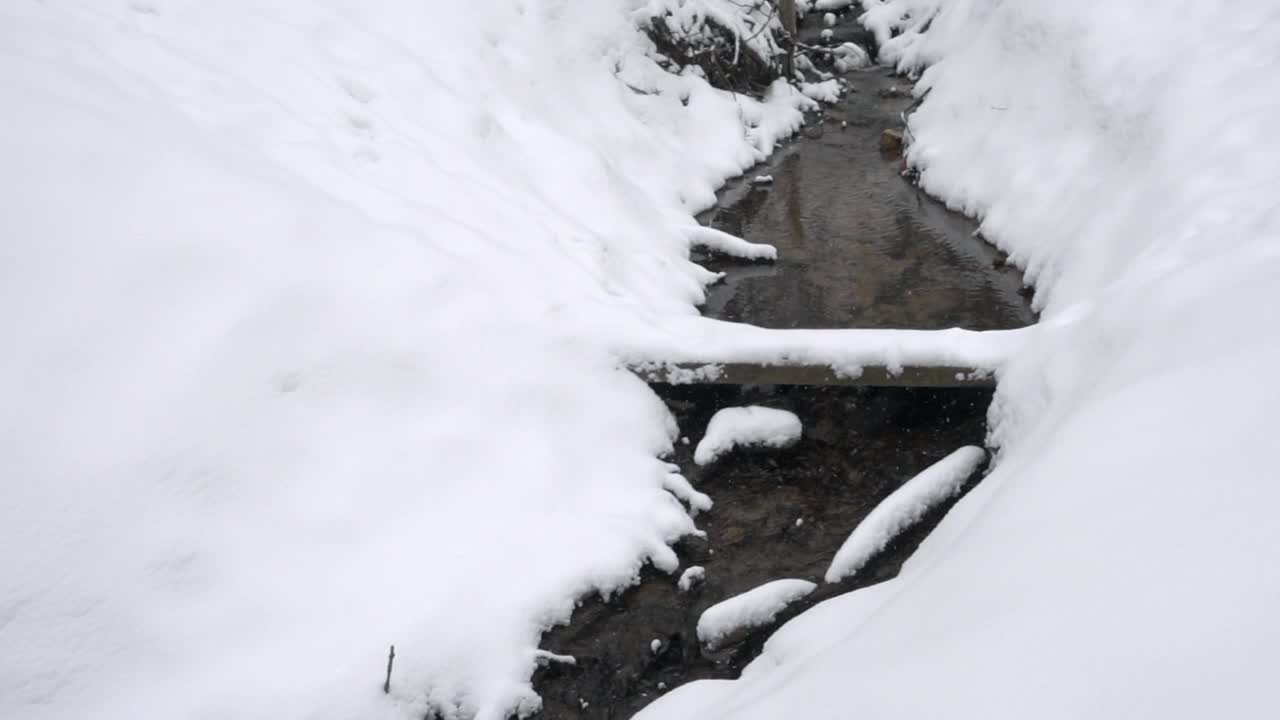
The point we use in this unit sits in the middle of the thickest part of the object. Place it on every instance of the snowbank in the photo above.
(727, 619)
(903, 508)
(1119, 560)
(745, 427)
(310, 311)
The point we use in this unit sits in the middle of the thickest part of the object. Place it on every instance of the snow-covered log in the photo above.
(700, 350)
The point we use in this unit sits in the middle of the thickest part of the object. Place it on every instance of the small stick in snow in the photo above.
(391, 659)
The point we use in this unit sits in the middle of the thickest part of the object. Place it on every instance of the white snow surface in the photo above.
(827, 91)
(752, 426)
(732, 245)
(903, 508)
(850, 56)
(846, 352)
(753, 608)
(311, 313)
(1119, 560)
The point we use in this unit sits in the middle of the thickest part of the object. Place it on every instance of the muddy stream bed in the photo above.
(858, 247)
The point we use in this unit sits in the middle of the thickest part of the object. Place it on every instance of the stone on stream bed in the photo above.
(891, 141)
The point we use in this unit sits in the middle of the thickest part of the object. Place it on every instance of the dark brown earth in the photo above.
(859, 247)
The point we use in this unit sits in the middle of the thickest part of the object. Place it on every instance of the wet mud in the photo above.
(859, 246)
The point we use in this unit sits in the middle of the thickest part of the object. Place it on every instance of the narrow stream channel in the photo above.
(858, 247)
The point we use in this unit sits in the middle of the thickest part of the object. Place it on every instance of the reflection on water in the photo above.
(858, 246)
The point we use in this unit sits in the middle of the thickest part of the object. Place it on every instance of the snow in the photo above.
(827, 91)
(312, 312)
(682, 490)
(754, 25)
(759, 606)
(544, 657)
(750, 426)
(846, 352)
(850, 56)
(1118, 561)
(690, 577)
(722, 242)
(903, 508)
(829, 19)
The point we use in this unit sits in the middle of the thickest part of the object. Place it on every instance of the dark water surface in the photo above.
(859, 247)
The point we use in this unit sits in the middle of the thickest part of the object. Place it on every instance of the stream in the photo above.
(858, 246)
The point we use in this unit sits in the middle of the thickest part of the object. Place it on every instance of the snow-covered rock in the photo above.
(903, 508)
(746, 426)
(827, 91)
(690, 577)
(722, 242)
(850, 56)
(726, 622)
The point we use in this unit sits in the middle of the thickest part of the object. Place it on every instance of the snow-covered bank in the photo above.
(1118, 562)
(310, 313)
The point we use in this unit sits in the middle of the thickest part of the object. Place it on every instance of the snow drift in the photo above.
(1118, 561)
(309, 310)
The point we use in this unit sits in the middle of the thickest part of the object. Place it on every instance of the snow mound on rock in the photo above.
(746, 426)
(725, 620)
